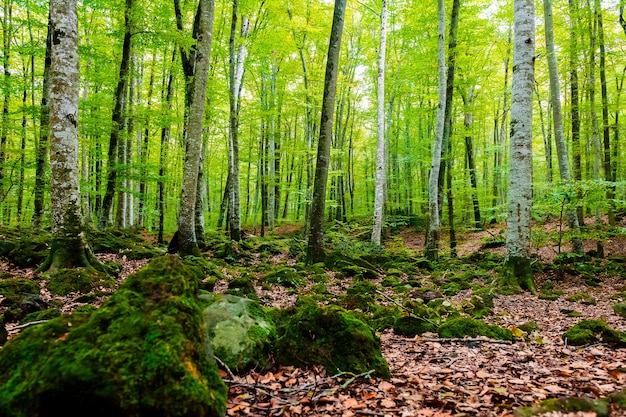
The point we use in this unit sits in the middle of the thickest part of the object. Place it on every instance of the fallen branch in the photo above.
(25, 325)
(465, 340)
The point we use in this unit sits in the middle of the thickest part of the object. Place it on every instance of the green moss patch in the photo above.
(594, 331)
(83, 280)
(329, 336)
(285, 277)
(126, 243)
(620, 309)
(582, 298)
(140, 354)
(242, 287)
(18, 286)
(463, 326)
(567, 405)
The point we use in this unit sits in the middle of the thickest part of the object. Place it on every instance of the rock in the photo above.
(22, 306)
(140, 354)
(4, 335)
(238, 331)
(329, 336)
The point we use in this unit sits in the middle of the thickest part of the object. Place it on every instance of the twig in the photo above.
(221, 362)
(25, 325)
(466, 340)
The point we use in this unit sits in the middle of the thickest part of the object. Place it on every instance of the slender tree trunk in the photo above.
(118, 119)
(557, 115)
(606, 135)
(546, 134)
(575, 113)
(434, 222)
(315, 252)
(165, 138)
(44, 132)
(499, 142)
(520, 181)
(381, 155)
(7, 36)
(469, 154)
(187, 243)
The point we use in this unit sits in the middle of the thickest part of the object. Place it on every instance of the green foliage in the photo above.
(463, 326)
(327, 335)
(593, 331)
(140, 354)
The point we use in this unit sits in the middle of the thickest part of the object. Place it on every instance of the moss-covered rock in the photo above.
(480, 304)
(593, 331)
(410, 326)
(18, 286)
(47, 314)
(567, 405)
(140, 354)
(285, 277)
(582, 298)
(360, 296)
(124, 242)
(330, 336)
(20, 306)
(463, 326)
(83, 280)
(242, 287)
(238, 331)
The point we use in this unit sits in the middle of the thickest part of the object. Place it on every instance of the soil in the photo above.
(439, 377)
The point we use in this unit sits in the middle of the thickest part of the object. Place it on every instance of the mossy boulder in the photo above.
(410, 326)
(21, 306)
(83, 280)
(359, 297)
(480, 304)
(242, 287)
(330, 336)
(238, 331)
(123, 242)
(285, 277)
(18, 286)
(140, 354)
(464, 326)
(594, 331)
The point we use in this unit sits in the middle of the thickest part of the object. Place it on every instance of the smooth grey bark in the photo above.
(557, 116)
(187, 243)
(381, 154)
(434, 221)
(468, 100)
(520, 172)
(69, 248)
(315, 250)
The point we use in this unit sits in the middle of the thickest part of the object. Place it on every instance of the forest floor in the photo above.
(431, 376)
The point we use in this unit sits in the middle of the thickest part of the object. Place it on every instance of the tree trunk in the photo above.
(44, 132)
(606, 135)
(469, 154)
(315, 251)
(520, 181)
(117, 119)
(434, 222)
(575, 113)
(187, 243)
(381, 154)
(7, 34)
(557, 115)
(68, 248)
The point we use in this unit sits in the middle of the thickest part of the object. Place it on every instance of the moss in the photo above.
(18, 286)
(139, 354)
(593, 331)
(123, 242)
(359, 296)
(462, 326)
(583, 298)
(620, 309)
(567, 405)
(329, 336)
(410, 326)
(391, 281)
(46, 314)
(242, 287)
(84, 280)
(285, 277)
(619, 399)
(480, 304)
(548, 292)
(529, 327)
(518, 274)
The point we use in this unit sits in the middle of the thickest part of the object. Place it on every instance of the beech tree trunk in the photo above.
(187, 243)
(69, 248)
(434, 222)
(557, 115)
(315, 251)
(381, 155)
(520, 181)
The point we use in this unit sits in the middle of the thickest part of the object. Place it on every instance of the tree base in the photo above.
(71, 253)
(518, 275)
